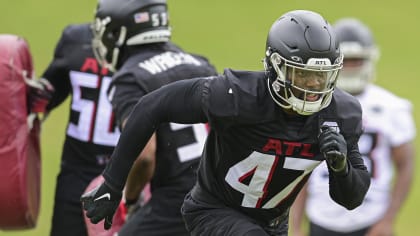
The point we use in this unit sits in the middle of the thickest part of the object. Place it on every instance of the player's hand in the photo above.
(101, 203)
(40, 93)
(334, 147)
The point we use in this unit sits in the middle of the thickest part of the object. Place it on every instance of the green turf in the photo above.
(232, 34)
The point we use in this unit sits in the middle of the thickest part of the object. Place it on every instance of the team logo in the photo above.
(332, 124)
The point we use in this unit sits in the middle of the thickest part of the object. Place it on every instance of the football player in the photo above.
(268, 131)
(387, 142)
(134, 39)
(91, 131)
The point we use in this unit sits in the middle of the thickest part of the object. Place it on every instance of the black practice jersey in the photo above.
(91, 131)
(256, 157)
(179, 146)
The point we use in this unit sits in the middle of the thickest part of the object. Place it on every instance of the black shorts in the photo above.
(204, 219)
(67, 215)
(316, 230)
(161, 216)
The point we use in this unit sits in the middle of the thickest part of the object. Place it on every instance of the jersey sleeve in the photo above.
(219, 98)
(124, 93)
(220, 102)
(350, 189)
(402, 123)
(57, 72)
(179, 102)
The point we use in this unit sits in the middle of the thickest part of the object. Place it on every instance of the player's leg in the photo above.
(159, 217)
(317, 230)
(203, 219)
(67, 215)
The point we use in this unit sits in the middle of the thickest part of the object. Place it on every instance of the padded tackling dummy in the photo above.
(117, 221)
(19, 139)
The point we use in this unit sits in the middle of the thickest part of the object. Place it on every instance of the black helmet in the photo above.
(360, 55)
(126, 23)
(302, 44)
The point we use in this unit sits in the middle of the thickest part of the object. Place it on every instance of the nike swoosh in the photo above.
(106, 195)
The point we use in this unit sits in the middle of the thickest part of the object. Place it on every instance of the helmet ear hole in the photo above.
(269, 70)
(287, 84)
(113, 34)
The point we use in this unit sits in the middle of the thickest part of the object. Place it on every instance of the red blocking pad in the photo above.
(19, 144)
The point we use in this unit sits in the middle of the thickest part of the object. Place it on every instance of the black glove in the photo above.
(334, 147)
(101, 203)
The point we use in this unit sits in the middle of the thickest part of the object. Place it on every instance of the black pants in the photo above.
(161, 216)
(68, 216)
(316, 230)
(204, 219)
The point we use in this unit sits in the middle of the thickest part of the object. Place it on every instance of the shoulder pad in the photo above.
(242, 94)
(346, 111)
(80, 33)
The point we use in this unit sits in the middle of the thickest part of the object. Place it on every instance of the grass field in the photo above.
(231, 33)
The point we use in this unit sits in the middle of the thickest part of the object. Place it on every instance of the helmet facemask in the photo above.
(358, 67)
(105, 40)
(304, 88)
(119, 26)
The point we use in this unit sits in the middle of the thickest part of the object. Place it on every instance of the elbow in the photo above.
(350, 203)
(359, 196)
(145, 161)
(354, 204)
(355, 195)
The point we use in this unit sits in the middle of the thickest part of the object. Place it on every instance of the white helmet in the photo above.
(360, 55)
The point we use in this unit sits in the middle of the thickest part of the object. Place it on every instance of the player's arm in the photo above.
(57, 73)
(349, 179)
(298, 212)
(178, 102)
(403, 157)
(140, 174)
(54, 86)
(124, 94)
(403, 154)
(349, 187)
